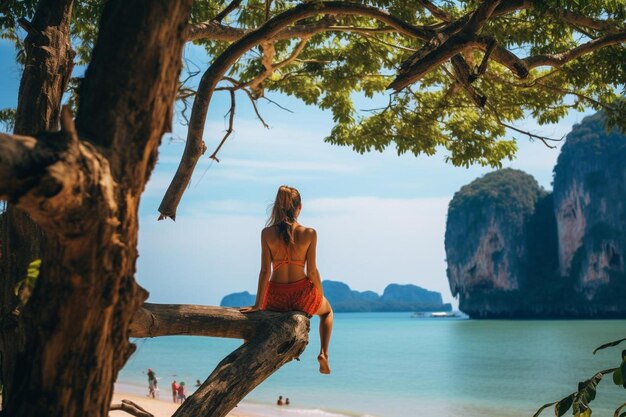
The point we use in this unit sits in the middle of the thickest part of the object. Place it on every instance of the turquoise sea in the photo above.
(392, 365)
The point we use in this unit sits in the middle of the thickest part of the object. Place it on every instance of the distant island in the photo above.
(395, 297)
(516, 250)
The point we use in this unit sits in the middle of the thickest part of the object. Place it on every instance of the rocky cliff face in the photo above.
(514, 250)
(485, 234)
(590, 205)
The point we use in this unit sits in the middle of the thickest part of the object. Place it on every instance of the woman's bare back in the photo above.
(296, 254)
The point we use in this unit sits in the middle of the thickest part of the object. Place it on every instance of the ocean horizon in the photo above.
(393, 365)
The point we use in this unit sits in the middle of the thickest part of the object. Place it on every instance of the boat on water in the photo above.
(435, 315)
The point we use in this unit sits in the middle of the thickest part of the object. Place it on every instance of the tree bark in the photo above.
(49, 63)
(85, 195)
(273, 339)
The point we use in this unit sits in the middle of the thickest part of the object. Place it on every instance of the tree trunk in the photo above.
(49, 62)
(85, 194)
(273, 339)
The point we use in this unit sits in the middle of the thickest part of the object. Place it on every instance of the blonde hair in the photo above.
(284, 212)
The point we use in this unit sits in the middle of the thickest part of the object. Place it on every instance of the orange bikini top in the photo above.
(287, 261)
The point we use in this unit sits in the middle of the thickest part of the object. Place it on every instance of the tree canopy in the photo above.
(453, 75)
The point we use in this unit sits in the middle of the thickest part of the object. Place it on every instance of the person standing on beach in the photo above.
(280, 400)
(287, 248)
(152, 383)
(174, 390)
(181, 392)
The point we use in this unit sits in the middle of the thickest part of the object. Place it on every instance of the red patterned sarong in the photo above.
(300, 295)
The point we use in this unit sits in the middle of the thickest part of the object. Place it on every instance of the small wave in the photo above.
(312, 412)
(264, 410)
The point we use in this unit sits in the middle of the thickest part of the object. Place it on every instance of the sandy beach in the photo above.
(158, 407)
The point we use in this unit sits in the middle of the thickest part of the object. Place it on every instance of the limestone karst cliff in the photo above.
(485, 240)
(514, 250)
(590, 205)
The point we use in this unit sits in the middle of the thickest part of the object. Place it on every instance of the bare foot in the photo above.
(323, 360)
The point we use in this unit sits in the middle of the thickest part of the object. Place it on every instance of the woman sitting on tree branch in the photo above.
(287, 248)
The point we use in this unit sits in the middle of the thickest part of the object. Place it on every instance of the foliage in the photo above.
(24, 287)
(7, 119)
(340, 70)
(579, 400)
(512, 192)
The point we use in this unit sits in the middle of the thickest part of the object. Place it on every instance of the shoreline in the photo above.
(163, 406)
(159, 407)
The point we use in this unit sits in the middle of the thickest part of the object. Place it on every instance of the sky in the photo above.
(380, 217)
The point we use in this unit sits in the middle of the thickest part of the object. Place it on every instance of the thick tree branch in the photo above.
(577, 19)
(56, 176)
(231, 6)
(435, 52)
(430, 57)
(273, 340)
(557, 60)
(215, 31)
(455, 38)
(462, 74)
(153, 320)
(481, 16)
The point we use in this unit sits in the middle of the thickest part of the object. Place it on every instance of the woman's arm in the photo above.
(264, 274)
(311, 262)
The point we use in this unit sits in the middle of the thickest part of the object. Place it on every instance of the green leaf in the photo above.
(610, 344)
(564, 405)
(28, 282)
(617, 377)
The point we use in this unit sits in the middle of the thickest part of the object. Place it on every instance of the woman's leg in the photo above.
(326, 328)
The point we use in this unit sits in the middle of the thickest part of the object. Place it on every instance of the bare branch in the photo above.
(254, 106)
(131, 408)
(231, 119)
(277, 104)
(531, 136)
